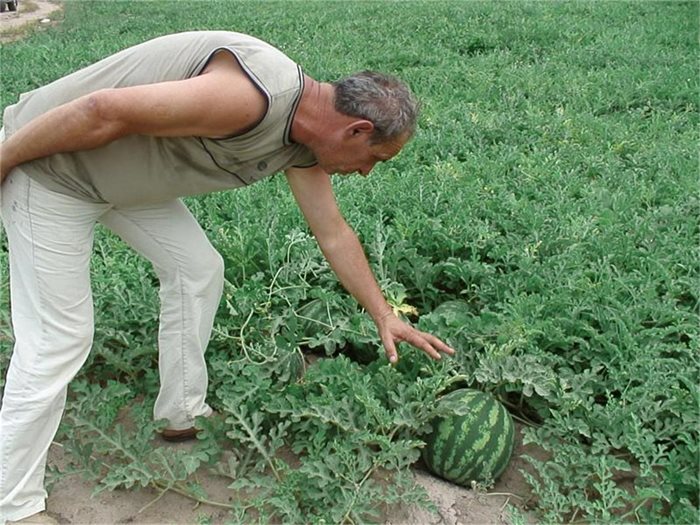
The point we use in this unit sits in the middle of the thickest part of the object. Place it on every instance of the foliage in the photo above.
(552, 189)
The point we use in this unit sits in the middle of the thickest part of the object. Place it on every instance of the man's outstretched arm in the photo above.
(341, 247)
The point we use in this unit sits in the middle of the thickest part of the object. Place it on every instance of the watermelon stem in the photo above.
(508, 494)
(518, 415)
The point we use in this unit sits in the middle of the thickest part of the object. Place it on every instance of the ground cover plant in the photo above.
(550, 198)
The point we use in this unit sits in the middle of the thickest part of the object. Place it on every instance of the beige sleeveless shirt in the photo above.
(139, 169)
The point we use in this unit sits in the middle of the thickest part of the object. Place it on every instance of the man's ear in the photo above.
(358, 127)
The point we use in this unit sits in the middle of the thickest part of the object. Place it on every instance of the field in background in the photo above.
(552, 188)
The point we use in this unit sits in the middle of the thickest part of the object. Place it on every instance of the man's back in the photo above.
(140, 169)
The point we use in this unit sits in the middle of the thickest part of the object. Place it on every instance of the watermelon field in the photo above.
(544, 221)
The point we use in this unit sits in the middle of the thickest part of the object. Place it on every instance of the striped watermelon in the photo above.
(474, 444)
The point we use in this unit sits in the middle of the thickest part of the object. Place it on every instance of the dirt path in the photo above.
(13, 24)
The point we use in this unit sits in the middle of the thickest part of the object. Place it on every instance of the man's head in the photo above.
(354, 123)
(381, 99)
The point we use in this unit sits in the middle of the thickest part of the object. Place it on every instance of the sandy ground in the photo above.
(29, 13)
(71, 501)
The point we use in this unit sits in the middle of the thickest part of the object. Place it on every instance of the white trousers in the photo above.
(50, 239)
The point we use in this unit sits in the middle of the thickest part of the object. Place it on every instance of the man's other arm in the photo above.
(219, 102)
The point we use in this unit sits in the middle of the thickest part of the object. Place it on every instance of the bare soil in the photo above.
(15, 24)
(71, 501)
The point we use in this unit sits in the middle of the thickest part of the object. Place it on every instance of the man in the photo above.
(120, 142)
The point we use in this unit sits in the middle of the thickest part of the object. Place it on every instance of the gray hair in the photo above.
(382, 99)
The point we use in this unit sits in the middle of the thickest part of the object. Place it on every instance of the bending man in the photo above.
(120, 142)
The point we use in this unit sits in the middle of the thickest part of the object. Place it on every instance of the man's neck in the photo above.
(315, 116)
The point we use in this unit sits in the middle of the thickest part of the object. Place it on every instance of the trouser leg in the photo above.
(191, 282)
(50, 242)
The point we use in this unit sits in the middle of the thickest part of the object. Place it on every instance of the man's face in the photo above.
(353, 152)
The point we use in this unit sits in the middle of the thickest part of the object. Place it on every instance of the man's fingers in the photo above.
(437, 343)
(430, 344)
(390, 350)
(426, 342)
(419, 340)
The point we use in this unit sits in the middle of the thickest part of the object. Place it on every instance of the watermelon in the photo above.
(474, 443)
(313, 317)
(290, 365)
(338, 327)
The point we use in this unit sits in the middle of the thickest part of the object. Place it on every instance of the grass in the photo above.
(552, 187)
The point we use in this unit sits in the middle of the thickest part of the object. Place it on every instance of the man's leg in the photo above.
(191, 282)
(50, 242)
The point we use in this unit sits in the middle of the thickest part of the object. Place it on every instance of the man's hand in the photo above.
(393, 330)
(4, 164)
(2, 167)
